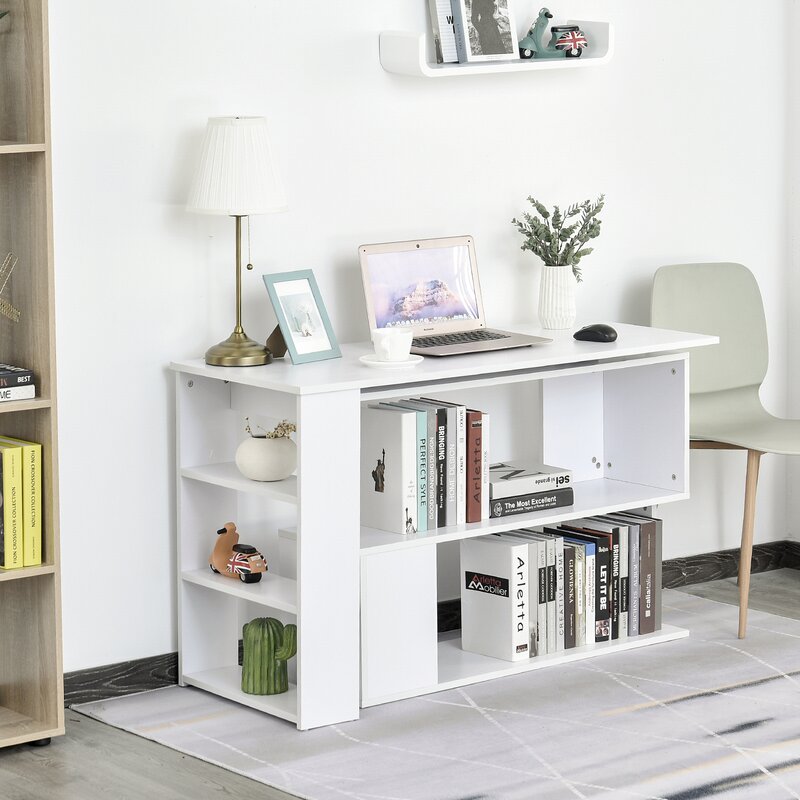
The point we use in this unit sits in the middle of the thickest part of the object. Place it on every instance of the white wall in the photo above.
(684, 134)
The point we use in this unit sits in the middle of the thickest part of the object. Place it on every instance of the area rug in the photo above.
(706, 716)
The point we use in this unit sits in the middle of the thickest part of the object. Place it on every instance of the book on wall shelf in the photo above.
(443, 31)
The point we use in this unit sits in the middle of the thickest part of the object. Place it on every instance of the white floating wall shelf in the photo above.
(408, 53)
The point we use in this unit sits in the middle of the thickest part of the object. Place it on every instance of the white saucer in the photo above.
(371, 360)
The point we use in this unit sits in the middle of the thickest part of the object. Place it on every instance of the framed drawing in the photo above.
(302, 318)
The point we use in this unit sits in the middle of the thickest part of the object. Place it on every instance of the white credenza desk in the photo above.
(364, 600)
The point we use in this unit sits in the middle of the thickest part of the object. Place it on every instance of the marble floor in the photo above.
(94, 760)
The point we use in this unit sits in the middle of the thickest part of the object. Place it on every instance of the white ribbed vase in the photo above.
(263, 459)
(557, 298)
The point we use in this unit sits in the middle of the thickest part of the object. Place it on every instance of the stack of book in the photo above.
(21, 511)
(536, 591)
(16, 383)
(424, 465)
(519, 487)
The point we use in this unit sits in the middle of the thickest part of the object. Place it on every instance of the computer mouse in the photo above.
(599, 332)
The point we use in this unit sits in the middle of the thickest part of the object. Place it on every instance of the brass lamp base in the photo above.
(238, 350)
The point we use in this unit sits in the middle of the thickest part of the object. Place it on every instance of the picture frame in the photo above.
(485, 30)
(302, 318)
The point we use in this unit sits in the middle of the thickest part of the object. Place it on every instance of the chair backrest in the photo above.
(723, 300)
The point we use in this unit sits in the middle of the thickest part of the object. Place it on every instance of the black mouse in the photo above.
(599, 332)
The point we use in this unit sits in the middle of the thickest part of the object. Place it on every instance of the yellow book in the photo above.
(31, 499)
(11, 554)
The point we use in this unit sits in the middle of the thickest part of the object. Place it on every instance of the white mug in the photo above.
(392, 344)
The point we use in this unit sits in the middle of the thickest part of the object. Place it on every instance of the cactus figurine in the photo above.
(268, 645)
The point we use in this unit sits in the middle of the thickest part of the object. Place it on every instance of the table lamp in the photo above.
(236, 177)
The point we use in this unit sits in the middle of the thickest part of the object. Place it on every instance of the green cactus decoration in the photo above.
(268, 645)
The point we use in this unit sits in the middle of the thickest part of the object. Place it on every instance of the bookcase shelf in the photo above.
(368, 596)
(31, 684)
(410, 53)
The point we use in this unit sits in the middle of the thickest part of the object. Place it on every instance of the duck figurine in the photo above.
(566, 41)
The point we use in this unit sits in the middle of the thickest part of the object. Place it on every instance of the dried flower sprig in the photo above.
(281, 431)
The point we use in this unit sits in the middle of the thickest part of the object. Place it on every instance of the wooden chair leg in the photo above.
(746, 553)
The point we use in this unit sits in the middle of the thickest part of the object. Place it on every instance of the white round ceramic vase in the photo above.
(557, 298)
(263, 459)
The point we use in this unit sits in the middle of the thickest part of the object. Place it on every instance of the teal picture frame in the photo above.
(302, 317)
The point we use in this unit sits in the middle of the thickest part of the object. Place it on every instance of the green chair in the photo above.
(725, 408)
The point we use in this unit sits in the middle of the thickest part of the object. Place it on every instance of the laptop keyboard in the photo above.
(466, 337)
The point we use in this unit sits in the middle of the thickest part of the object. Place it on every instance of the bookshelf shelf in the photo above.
(359, 592)
(409, 53)
(227, 681)
(272, 591)
(31, 683)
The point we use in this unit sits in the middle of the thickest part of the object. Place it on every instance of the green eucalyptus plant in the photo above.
(560, 238)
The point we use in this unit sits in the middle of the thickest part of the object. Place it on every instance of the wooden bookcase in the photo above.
(364, 600)
(31, 685)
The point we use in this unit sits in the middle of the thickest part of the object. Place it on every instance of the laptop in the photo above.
(432, 286)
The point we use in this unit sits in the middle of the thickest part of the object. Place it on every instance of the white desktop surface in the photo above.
(347, 372)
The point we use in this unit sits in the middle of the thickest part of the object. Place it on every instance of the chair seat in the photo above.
(737, 417)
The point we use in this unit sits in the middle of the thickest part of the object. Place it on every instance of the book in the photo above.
(589, 591)
(31, 473)
(485, 30)
(651, 555)
(456, 461)
(550, 587)
(634, 587)
(389, 469)
(570, 600)
(526, 503)
(474, 465)
(581, 589)
(537, 589)
(11, 546)
(602, 578)
(513, 478)
(485, 508)
(494, 621)
(18, 393)
(443, 30)
(422, 463)
(615, 531)
(439, 460)
(431, 491)
(560, 581)
(11, 376)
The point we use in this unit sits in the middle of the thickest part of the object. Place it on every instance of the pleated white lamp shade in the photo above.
(236, 175)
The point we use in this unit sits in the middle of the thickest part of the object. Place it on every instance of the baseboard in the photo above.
(129, 677)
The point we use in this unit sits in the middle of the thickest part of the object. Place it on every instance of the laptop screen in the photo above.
(426, 285)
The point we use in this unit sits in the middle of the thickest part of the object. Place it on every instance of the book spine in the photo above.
(433, 9)
(485, 508)
(552, 629)
(474, 465)
(591, 595)
(615, 593)
(461, 465)
(18, 393)
(500, 488)
(570, 638)
(12, 549)
(633, 570)
(532, 502)
(647, 619)
(16, 377)
(432, 496)
(580, 595)
(602, 611)
(422, 475)
(521, 602)
(624, 583)
(441, 467)
(451, 513)
(658, 575)
(560, 595)
(460, 31)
